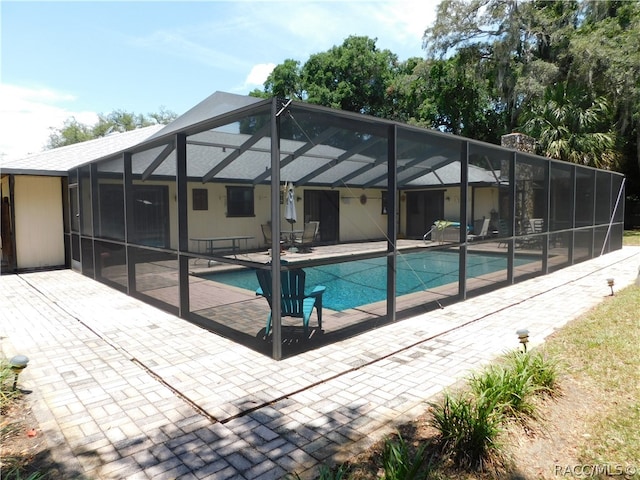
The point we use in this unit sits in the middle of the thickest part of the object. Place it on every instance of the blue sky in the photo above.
(80, 58)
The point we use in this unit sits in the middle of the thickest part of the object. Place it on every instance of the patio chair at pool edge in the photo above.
(308, 235)
(317, 225)
(484, 231)
(266, 233)
(293, 300)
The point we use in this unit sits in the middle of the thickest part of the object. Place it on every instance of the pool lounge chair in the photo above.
(484, 231)
(293, 300)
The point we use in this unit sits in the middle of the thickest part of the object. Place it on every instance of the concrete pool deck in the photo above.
(124, 390)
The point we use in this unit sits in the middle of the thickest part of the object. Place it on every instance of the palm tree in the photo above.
(570, 125)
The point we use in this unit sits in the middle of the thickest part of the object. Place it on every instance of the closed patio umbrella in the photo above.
(290, 207)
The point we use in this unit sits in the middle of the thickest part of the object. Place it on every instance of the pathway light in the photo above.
(523, 336)
(17, 364)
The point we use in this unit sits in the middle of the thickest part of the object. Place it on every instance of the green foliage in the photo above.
(12, 467)
(509, 390)
(470, 422)
(7, 393)
(326, 473)
(353, 76)
(600, 350)
(511, 385)
(73, 131)
(468, 429)
(399, 463)
(527, 51)
(570, 125)
(16, 473)
(285, 81)
(539, 368)
(631, 237)
(496, 66)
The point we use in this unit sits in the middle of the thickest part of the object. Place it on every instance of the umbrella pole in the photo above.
(293, 247)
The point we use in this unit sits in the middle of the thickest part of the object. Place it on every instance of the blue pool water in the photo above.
(356, 283)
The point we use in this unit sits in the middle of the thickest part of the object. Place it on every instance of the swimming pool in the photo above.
(356, 283)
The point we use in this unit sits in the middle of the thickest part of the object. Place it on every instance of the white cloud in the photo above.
(182, 45)
(27, 114)
(308, 27)
(258, 74)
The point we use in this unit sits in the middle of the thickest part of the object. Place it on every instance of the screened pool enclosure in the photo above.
(393, 220)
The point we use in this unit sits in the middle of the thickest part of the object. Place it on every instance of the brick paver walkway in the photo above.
(124, 390)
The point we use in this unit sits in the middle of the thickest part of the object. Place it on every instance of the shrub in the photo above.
(7, 393)
(399, 463)
(542, 371)
(508, 389)
(468, 429)
(513, 383)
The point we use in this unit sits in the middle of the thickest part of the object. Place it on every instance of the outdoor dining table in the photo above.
(235, 240)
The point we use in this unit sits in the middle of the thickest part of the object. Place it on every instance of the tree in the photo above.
(515, 45)
(285, 81)
(570, 125)
(73, 131)
(446, 95)
(353, 76)
(163, 116)
(608, 63)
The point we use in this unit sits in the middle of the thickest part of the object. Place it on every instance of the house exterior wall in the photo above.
(485, 201)
(361, 215)
(38, 222)
(358, 221)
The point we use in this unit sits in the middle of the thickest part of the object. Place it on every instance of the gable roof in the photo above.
(213, 106)
(58, 161)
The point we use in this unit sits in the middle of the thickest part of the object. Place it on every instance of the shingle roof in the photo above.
(213, 106)
(58, 161)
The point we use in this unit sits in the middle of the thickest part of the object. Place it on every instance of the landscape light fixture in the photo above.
(523, 336)
(610, 282)
(17, 364)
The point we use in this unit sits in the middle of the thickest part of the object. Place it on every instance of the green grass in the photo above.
(601, 351)
(631, 237)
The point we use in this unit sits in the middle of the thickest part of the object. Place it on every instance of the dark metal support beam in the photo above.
(325, 135)
(345, 156)
(547, 216)
(392, 226)
(166, 151)
(378, 161)
(412, 164)
(255, 138)
(129, 221)
(512, 219)
(276, 308)
(464, 214)
(183, 223)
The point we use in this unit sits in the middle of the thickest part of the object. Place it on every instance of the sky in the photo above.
(79, 58)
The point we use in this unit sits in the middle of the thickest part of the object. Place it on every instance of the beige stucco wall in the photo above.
(38, 222)
(358, 221)
(361, 217)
